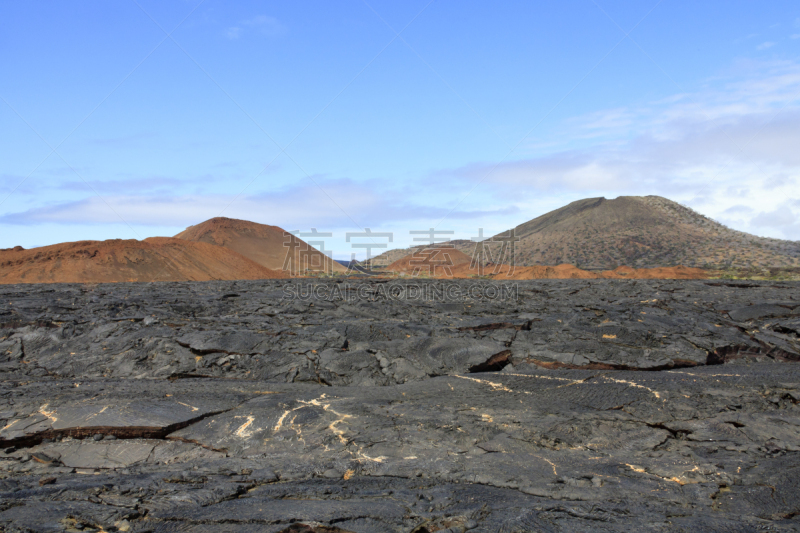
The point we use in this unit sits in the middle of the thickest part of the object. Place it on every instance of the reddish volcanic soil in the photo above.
(260, 243)
(154, 259)
(434, 261)
(531, 272)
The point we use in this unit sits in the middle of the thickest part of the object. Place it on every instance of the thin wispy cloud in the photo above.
(392, 138)
(331, 204)
(132, 185)
(711, 149)
(261, 24)
(731, 144)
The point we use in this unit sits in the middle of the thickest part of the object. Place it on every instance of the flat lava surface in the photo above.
(375, 405)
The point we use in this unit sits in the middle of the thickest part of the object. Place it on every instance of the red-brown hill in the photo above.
(154, 259)
(266, 245)
(433, 261)
(520, 273)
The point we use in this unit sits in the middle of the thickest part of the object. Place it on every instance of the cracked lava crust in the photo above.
(576, 405)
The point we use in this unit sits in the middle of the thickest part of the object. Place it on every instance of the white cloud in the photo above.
(609, 119)
(729, 151)
(340, 206)
(733, 146)
(334, 203)
(779, 217)
(764, 46)
(737, 209)
(269, 26)
(266, 25)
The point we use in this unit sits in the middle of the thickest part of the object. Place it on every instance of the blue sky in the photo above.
(131, 119)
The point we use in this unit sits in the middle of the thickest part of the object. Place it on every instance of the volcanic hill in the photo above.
(643, 231)
(154, 259)
(636, 231)
(433, 261)
(266, 245)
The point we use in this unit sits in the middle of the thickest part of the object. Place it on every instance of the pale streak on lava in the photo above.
(544, 377)
(551, 463)
(242, 431)
(97, 413)
(332, 426)
(704, 375)
(492, 384)
(297, 430)
(674, 479)
(49, 414)
(340, 433)
(189, 406)
(279, 425)
(11, 424)
(378, 459)
(500, 386)
(280, 421)
(634, 384)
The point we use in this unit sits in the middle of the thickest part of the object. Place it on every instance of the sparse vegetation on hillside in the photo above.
(637, 231)
(768, 274)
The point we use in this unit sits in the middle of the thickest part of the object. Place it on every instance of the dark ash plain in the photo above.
(575, 405)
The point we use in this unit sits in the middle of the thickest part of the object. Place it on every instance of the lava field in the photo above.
(402, 406)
